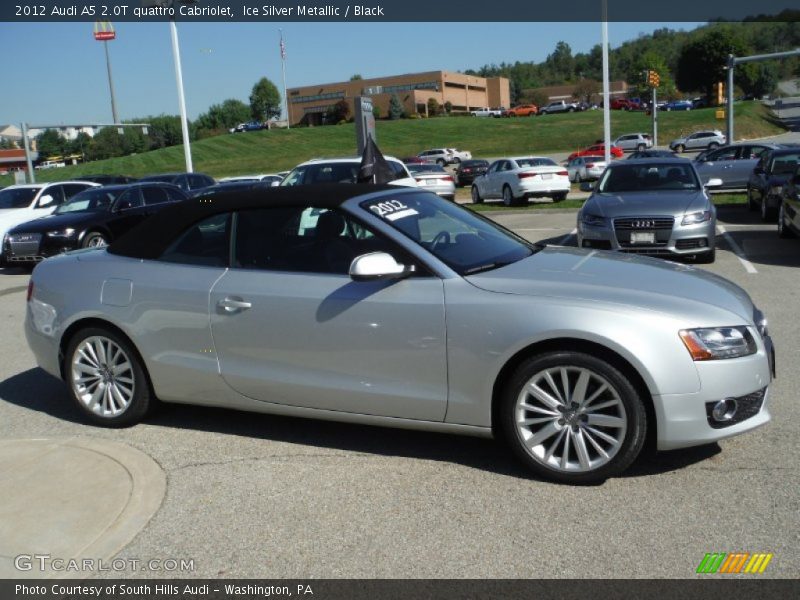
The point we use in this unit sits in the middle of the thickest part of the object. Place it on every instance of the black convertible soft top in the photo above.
(150, 238)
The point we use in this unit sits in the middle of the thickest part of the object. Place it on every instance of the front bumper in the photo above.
(684, 420)
(679, 240)
(35, 247)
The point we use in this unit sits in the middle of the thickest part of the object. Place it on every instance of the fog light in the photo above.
(724, 410)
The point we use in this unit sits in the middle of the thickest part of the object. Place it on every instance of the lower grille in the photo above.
(747, 406)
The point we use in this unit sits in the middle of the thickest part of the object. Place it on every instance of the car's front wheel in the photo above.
(641, 148)
(94, 239)
(560, 197)
(680, 148)
(106, 378)
(441, 162)
(713, 146)
(572, 417)
(476, 195)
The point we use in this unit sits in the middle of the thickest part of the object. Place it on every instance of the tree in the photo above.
(448, 107)
(395, 108)
(586, 88)
(702, 61)
(757, 79)
(339, 111)
(164, 131)
(80, 144)
(376, 112)
(433, 107)
(265, 101)
(51, 143)
(356, 77)
(7, 144)
(107, 143)
(224, 116)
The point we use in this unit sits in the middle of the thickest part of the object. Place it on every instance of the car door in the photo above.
(719, 163)
(487, 181)
(746, 159)
(290, 326)
(128, 210)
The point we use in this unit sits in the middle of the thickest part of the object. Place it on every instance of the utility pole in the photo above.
(104, 32)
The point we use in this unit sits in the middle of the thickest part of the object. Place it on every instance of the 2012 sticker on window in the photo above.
(391, 210)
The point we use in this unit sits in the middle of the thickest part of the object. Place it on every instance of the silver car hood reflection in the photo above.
(630, 204)
(647, 283)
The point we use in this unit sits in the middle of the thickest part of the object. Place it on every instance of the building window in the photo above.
(316, 97)
(427, 85)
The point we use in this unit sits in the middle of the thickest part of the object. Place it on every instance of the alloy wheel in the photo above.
(570, 419)
(102, 376)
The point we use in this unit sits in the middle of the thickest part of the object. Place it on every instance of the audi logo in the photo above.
(643, 224)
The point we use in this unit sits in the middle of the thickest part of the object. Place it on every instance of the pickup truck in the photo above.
(558, 107)
(486, 112)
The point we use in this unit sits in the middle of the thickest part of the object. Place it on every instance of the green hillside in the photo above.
(276, 150)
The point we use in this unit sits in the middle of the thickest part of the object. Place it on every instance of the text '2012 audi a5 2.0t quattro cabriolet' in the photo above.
(389, 306)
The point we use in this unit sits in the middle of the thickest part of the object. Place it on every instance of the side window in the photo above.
(56, 192)
(206, 243)
(130, 199)
(174, 195)
(153, 195)
(723, 154)
(304, 239)
(296, 177)
(494, 167)
(197, 182)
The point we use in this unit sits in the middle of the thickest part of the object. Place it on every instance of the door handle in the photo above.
(232, 305)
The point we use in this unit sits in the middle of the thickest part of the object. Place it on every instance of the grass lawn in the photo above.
(276, 150)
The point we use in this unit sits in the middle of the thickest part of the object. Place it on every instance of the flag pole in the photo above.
(285, 95)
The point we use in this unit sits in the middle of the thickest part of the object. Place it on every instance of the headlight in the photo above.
(715, 343)
(696, 217)
(775, 190)
(593, 220)
(62, 233)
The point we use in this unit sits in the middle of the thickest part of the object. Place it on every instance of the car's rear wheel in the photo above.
(94, 239)
(783, 230)
(560, 197)
(508, 196)
(572, 417)
(476, 195)
(106, 378)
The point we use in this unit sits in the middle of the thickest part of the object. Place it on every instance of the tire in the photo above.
(621, 410)
(86, 369)
(768, 213)
(476, 196)
(783, 231)
(570, 109)
(641, 148)
(441, 162)
(713, 146)
(751, 204)
(94, 239)
(508, 196)
(456, 160)
(706, 258)
(680, 148)
(560, 197)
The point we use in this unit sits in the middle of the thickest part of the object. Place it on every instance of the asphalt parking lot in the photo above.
(262, 496)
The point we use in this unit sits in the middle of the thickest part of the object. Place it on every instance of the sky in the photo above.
(55, 73)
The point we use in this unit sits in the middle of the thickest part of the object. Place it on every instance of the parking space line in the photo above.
(748, 266)
(563, 240)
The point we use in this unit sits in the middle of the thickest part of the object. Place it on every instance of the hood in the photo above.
(702, 298)
(12, 217)
(651, 204)
(53, 222)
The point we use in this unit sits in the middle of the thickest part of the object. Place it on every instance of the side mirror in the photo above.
(378, 265)
(45, 200)
(714, 182)
(587, 186)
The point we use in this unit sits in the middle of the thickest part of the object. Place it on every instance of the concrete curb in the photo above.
(73, 498)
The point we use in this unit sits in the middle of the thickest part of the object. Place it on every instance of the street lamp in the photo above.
(176, 55)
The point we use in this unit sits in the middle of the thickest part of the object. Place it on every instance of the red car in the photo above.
(596, 149)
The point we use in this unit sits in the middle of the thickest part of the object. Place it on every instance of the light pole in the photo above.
(104, 32)
(606, 95)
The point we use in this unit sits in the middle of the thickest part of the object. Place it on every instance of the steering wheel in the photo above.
(443, 237)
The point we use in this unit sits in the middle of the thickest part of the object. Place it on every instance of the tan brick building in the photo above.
(309, 103)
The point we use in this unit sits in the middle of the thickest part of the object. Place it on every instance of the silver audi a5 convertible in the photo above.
(390, 306)
(655, 207)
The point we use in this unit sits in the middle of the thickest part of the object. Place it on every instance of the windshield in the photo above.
(784, 164)
(17, 197)
(464, 241)
(648, 177)
(91, 199)
(535, 162)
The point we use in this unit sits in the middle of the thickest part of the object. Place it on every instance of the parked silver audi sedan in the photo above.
(391, 306)
(657, 207)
